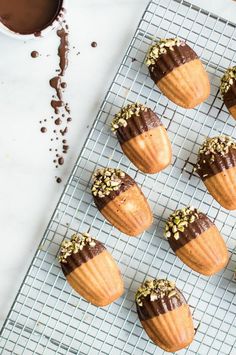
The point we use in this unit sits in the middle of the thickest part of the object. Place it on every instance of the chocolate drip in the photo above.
(55, 83)
(136, 125)
(63, 50)
(27, 16)
(151, 309)
(230, 96)
(191, 232)
(84, 255)
(221, 162)
(172, 59)
(126, 183)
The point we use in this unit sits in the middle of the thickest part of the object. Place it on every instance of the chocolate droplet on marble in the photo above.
(43, 129)
(58, 180)
(94, 44)
(61, 161)
(58, 121)
(34, 54)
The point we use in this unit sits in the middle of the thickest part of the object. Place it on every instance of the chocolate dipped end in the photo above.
(151, 309)
(194, 229)
(87, 253)
(138, 124)
(126, 183)
(207, 168)
(230, 96)
(174, 58)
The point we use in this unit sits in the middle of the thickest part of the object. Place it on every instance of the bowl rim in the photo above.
(53, 25)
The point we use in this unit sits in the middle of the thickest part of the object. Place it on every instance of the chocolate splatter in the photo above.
(58, 121)
(94, 44)
(58, 180)
(34, 54)
(43, 129)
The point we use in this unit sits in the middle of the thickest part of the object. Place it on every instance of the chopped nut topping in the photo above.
(106, 180)
(179, 220)
(74, 245)
(160, 47)
(227, 80)
(212, 146)
(156, 289)
(121, 118)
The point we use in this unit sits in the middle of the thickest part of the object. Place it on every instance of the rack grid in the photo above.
(48, 317)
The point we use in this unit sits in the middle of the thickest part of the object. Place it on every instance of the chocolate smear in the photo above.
(55, 83)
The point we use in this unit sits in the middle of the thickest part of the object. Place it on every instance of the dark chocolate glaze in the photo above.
(151, 309)
(136, 125)
(126, 183)
(191, 232)
(221, 163)
(230, 96)
(172, 59)
(27, 16)
(84, 255)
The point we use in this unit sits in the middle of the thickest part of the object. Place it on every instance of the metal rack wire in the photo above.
(47, 317)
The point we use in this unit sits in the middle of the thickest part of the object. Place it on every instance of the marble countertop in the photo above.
(28, 190)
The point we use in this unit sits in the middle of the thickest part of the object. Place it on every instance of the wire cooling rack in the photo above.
(47, 317)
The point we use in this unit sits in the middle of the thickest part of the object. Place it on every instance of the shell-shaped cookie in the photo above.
(196, 241)
(143, 138)
(126, 208)
(216, 166)
(178, 72)
(165, 315)
(91, 270)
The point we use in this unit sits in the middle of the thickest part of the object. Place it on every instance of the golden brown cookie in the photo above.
(165, 315)
(91, 270)
(196, 241)
(216, 165)
(178, 72)
(143, 138)
(121, 201)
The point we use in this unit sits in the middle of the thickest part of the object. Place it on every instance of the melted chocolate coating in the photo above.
(230, 96)
(136, 125)
(84, 255)
(27, 16)
(221, 163)
(151, 309)
(172, 59)
(191, 232)
(126, 183)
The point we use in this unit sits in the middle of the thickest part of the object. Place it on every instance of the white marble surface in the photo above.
(28, 191)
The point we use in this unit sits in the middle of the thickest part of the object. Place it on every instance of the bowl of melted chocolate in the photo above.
(29, 18)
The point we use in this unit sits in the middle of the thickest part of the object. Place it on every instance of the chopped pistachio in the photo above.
(106, 180)
(155, 289)
(72, 246)
(160, 47)
(179, 220)
(227, 80)
(212, 146)
(121, 118)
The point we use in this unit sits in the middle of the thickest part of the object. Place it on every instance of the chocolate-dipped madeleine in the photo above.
(121, 201)
(165, 314)
(143, 138)
(196, 241)
(216, 165)
(91, 270)
(228, 90)
(178, 72)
